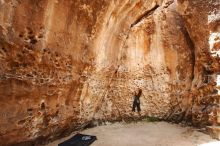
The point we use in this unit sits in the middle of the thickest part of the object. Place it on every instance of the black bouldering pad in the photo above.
(79, 140)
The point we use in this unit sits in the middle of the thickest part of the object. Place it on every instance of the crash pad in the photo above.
(79, 140)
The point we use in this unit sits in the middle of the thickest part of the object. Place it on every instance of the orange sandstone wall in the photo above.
(67, 63)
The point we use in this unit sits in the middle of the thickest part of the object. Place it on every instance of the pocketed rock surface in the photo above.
(67, 63)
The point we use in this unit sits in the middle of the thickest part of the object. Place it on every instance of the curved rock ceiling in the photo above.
(67, 63)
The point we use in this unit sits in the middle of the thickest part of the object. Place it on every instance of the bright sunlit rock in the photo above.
(217, 143)
(213, 39)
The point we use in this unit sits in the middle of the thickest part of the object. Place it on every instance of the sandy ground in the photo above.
(146, 134)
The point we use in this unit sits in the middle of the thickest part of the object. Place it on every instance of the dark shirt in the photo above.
(137, 99)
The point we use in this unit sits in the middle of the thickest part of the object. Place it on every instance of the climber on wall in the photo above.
(136, 102)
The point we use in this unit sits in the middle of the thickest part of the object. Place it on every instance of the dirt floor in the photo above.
(146, 134)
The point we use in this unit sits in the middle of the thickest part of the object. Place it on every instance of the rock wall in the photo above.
(201, 103)
(65, 64)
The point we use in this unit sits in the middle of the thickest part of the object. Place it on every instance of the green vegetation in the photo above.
(151, 119)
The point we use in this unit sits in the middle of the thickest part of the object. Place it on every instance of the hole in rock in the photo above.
(21, 122)
(30, 111)
(21, 35)
(42, 106)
